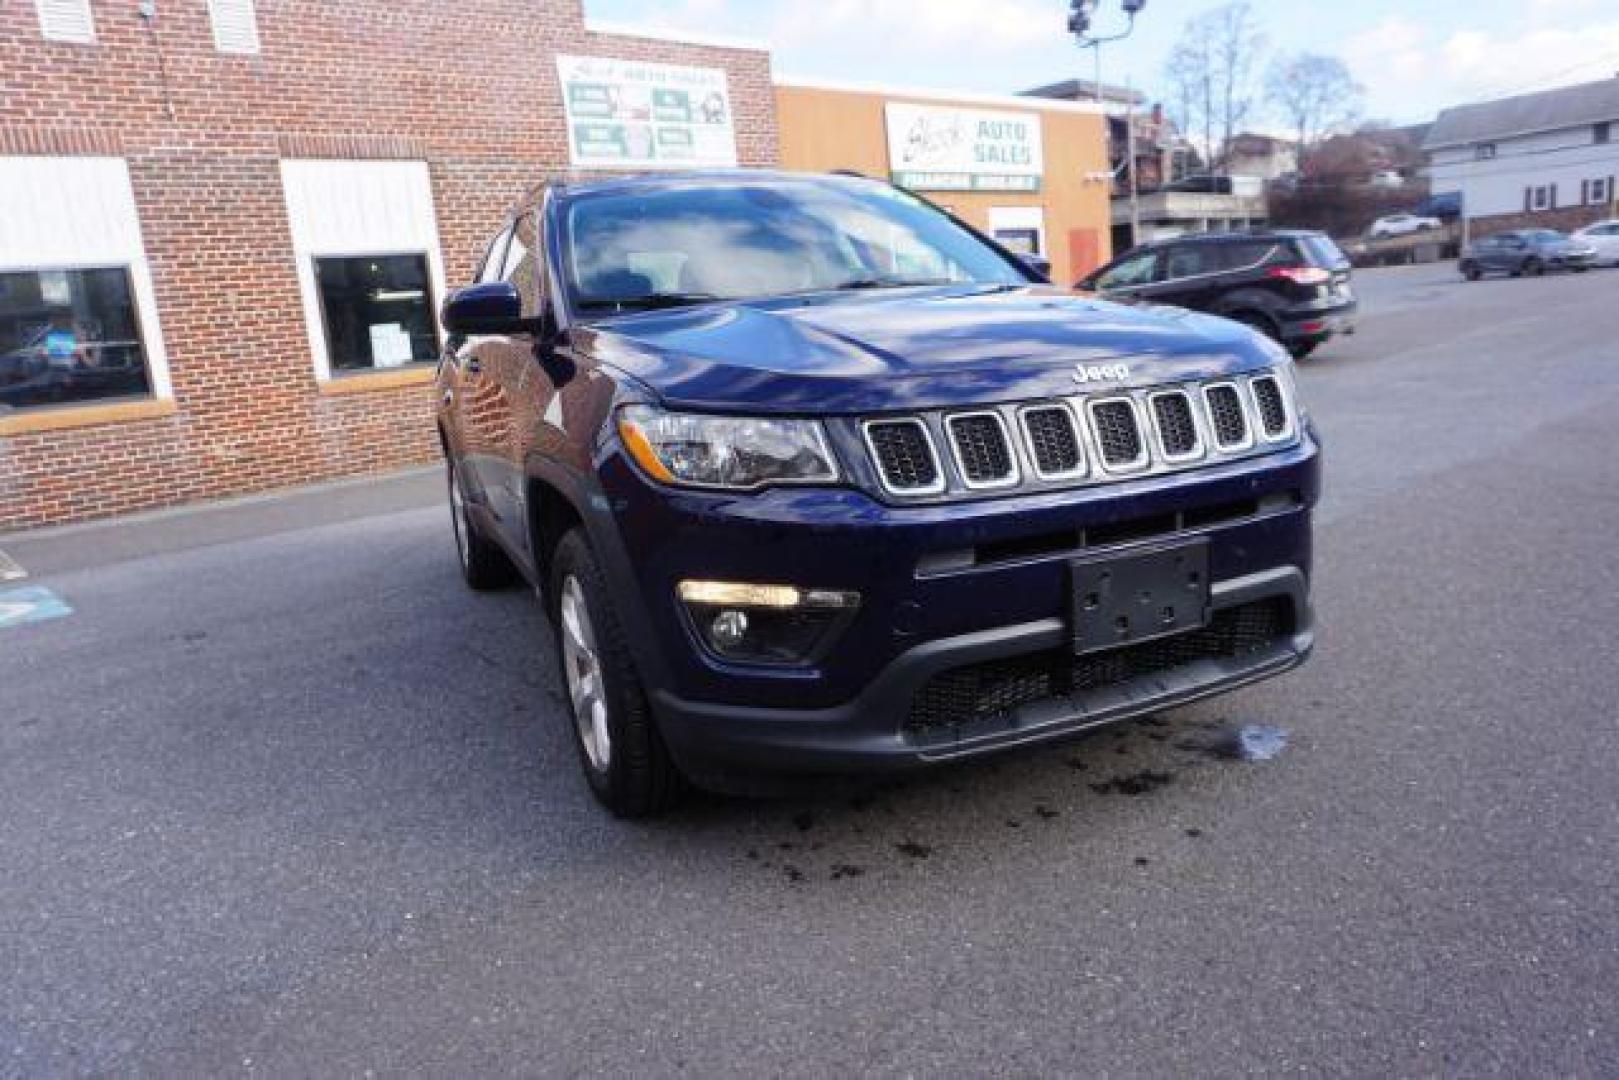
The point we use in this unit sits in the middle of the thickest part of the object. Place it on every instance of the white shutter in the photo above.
(236, 26)
(66, 20)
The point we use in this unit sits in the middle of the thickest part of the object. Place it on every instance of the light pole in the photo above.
(1080, 16)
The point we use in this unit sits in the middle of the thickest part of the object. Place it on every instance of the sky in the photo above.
(1413, 56)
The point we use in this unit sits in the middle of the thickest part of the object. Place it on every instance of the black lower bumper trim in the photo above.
(732, 747)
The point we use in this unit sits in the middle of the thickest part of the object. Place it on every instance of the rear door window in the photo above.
(1247, 254)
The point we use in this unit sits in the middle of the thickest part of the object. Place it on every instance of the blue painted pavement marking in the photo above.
(33, 604)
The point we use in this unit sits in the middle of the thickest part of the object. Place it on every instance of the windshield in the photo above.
(747, 238)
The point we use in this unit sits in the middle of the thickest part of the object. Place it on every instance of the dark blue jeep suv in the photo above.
(815, 479)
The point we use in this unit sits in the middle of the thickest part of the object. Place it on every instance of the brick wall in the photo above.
(470, 88)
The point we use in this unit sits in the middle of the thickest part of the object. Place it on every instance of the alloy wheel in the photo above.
(581, 665)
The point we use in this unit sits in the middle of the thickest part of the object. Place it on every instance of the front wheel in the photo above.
(1471, 272)
(620, 748)
(1300, 349)
(1533, 267)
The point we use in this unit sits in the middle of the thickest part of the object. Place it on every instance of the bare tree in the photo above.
(1211, 74)
(1237, 45)
(1315, 93)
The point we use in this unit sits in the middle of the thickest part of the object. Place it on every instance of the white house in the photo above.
(1548, 158)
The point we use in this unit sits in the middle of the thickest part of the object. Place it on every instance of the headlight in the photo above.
(739, 453)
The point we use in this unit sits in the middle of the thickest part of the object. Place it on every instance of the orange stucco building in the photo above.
(1029, 171)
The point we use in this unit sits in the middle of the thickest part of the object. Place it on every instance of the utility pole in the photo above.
(1130, 150)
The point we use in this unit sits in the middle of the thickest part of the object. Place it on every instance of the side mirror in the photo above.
(490, 308)
(1087, 283)
(1038, 265)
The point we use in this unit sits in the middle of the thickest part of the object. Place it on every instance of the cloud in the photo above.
(1403, 62)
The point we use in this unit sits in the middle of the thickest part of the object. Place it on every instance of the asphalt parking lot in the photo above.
(280, 796)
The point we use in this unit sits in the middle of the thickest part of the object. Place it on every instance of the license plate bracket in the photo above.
(1127, 598)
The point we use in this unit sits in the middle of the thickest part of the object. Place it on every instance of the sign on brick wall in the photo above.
(629, 114)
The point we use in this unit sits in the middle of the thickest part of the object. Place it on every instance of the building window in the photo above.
(236, 26)
(69, 336)
(366, 243)
(66, 20)
(1542, 198)
(377, 310)
(1019, 241)
(1597, 192)
(1601, 132)
(1484, 151)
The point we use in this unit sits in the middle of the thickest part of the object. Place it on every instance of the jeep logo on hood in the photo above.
(1089, 373)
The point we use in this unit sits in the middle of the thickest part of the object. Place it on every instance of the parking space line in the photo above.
(10, 569)
(19, 607)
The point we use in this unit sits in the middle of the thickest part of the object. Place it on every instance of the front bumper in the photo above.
(728, 726)
(742, 748)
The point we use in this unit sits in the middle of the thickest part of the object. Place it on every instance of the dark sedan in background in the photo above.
(1524, 252)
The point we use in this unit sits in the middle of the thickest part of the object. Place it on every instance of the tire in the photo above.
(1300, 349)
(1471, 272)
(1533, 267)
(484, 567)
(620, 748)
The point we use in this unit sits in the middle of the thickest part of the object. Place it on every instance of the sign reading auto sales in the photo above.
(636, 115)
(934, 148)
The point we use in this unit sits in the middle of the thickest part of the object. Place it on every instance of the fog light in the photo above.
(766, 624)
(729, 629)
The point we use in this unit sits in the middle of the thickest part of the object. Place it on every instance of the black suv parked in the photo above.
(1291, 285)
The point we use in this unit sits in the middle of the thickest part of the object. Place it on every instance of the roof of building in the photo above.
(1085, 90)
(1546, 110)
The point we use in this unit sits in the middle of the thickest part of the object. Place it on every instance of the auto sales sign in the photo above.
(939, 148)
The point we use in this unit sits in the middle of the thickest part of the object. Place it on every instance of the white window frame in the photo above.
(1021, 219)
(66, 20)
(78, 213)
(223, 15)
(344, 208)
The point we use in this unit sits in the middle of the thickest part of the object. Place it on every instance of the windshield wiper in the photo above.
(646, 301)
(888, 283)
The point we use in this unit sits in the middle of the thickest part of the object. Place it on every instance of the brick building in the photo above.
(225, 227)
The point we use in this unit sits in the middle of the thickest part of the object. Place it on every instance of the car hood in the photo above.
(911, 349)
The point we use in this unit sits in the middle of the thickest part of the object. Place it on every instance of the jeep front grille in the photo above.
(1053, 441)
(1229, 420)
(905, 457)
(983, 452)
(1177, 427)
(1272, 407)
(1118, 434)
(1081, 439)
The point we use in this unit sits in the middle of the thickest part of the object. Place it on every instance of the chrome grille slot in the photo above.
(1176, 424)
(1227, 418)
(983, 451)
(1118, 434)
(1053, 441)
(1272, 406)
(903, 451)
